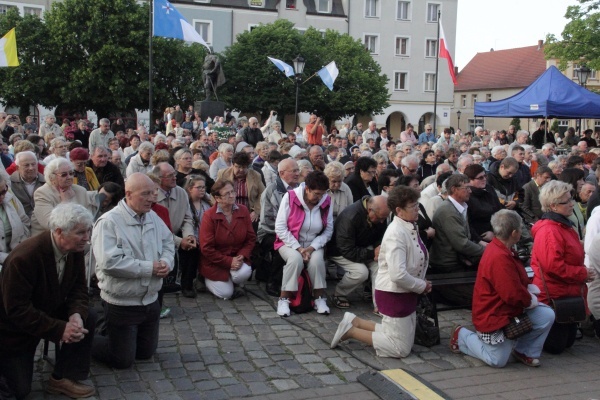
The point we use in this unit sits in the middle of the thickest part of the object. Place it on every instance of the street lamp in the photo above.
(298, 69)
(583, 73)
(458, 116)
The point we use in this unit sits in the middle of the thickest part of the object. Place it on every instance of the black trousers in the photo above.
(132, 332)
(188, 262)
(561, 337)
(72, 361)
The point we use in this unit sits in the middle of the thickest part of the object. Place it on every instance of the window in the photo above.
(5, 7)
(431, 48)
(403, 10)
(401, 81)
(432, 12)
(473, 99)
(596, 123)
(474, 123)
(290, 4)
(372, 43)
(32, 11)
(324, 6)
(301, 31)
(204, 28)
(488, 97)
(257, 3)
(251, 27)
(463, 100)
(429, 82)
(371, 8)
(402, 46)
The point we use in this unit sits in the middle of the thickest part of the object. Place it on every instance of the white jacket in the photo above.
(136, 165)
(123, 252)
(19, 222)
(402, 262)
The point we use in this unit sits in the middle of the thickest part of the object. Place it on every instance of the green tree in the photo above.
(21, 86)
(580, 40)
(254, 84)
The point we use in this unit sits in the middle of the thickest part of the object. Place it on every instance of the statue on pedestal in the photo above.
(213, 76)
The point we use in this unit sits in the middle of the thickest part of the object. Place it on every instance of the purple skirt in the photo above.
(396, 305)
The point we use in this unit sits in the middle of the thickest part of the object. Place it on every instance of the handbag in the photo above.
(518, 326)
(568, 309)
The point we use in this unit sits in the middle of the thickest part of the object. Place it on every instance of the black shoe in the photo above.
(190, 293)
(273, 290)
(237, 293)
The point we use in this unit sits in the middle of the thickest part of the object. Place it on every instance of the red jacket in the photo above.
(558, 251)
(221, 241)
(500, 288)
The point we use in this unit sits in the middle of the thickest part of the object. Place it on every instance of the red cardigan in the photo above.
(500, 288)
(558, 251)
(221, 241)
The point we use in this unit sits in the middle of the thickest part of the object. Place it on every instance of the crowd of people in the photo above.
(200, 205)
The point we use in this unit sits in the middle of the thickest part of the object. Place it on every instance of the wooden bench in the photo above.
(449, 279)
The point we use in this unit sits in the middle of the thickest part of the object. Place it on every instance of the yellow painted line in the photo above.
(411, 384)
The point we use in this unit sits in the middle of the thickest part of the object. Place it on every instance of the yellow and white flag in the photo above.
(8, 50)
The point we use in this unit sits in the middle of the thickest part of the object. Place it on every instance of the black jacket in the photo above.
(252, 135)
(358, 188)
(108, 173)
(352, 234)
(483, 203)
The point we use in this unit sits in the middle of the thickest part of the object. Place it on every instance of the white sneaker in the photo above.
(283, 307)
(321, 306)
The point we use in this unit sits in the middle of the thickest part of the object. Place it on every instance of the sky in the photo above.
(505, 24)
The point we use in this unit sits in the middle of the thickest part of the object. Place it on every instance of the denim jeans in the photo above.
(72, 362)
(132, 333)
(497, 355)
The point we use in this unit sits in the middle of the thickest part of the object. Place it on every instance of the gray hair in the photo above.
(223, 147)
(145, 146)
(103, 148)
(551, 193)
(302, 164)
(408, 159)
(180, 153)
(380, 156)
(497, 149)
(261, 145)
(438, 147)
(464, 161)
(67, 216)
(334, 169)
(56, 141)
(22, 154)
(53, 166)
(160, 137)
(548, 146)
(478, 128)
(275, 123)
(504, 222)
(49, 116)
(104, 121)
(522, 133)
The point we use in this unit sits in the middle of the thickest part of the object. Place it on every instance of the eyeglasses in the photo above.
(199, 187)
(467, 188)
(412, 171)
(65, 174)
(230, 193)
(412, 206)
(571, 200)
(479, 178)
(169, 176)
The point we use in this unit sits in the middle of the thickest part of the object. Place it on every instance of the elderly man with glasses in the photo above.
(428, 136)
(252, 134)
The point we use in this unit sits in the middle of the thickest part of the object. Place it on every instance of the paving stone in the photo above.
(308, 358)
(227, 381)
(253, 377)
(317, 368)
(219, 371)
(183, 384)
(130, 387)
(109, 392)
(206, 385)
(257, 354)
(263, 362)
(275, 372)
(284, 384)
(330, 379)
(339, 364)
(259, 388)
(237, 391)
(237, 356)
(105, 380)
(217, 394)
(162, 386)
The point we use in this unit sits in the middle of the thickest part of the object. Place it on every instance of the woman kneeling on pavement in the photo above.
(403, 261)
(501, 293)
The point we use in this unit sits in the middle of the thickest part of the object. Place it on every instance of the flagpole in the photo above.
(150, 67)
(437, 62)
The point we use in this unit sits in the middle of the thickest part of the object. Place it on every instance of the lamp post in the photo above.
(583, 73)
(458, 116)
(298, 69)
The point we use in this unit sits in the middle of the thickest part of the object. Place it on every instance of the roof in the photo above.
(502, 69)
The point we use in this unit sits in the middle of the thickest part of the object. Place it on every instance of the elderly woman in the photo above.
(262, 151)
(58, 189)
(482, 204)
(305, 169)
(276, 135)
(222, 161)
(226, 243)
(14, 223)
(400, 279)
(183, 165)
(58, 148)
(502, 292)
(362, 182)
(141, 161)
(426, 231)
(340, 193)
(134, 142)
(557, 259)
(84, 176)
(303, 226)
(382, 162)
(575, 177)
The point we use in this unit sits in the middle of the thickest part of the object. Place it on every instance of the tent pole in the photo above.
(150, 105)
(437, 61)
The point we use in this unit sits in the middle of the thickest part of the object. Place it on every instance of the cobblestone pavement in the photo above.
(217, 349)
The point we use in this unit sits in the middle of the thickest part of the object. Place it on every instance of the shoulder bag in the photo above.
(568, 309)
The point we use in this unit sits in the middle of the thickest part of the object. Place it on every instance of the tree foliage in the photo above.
(580, 40)
(255, 84)
(23, 86)
(517, 123)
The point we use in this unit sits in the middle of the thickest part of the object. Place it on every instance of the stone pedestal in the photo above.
(208, 108)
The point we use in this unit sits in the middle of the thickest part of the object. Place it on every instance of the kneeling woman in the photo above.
(403, 261)
(501, 293)
(226, 242)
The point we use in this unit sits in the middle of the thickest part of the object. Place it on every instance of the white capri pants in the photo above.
(294, 265)
(224, 289)
(394, 337)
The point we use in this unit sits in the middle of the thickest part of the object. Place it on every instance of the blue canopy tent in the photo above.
(551, 95)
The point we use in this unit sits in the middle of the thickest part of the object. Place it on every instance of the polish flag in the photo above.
(444, 53)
